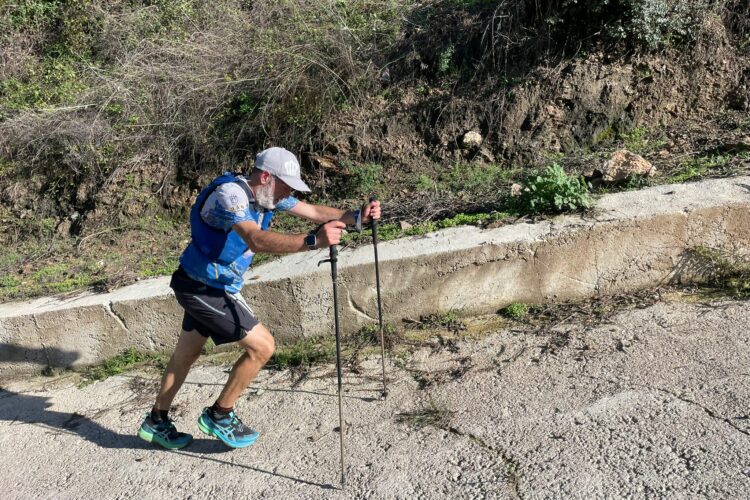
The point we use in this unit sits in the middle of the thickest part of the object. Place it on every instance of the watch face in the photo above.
(310, 241)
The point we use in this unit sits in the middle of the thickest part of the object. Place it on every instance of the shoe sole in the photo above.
(205, 429)
(153, 438)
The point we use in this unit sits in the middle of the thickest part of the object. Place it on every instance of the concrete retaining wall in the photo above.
(633, 240)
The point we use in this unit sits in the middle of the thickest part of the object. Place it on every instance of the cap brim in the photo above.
(295, 183)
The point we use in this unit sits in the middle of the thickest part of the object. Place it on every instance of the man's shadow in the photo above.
(34, 410)
(20, 409)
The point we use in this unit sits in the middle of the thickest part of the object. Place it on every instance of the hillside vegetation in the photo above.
(114, 113)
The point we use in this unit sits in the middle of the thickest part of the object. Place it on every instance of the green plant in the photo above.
(303, 353)
(553, 191)
(473, 178)
(209, 347)
(445, 61)
(424, 183)
(448, 321)
(430, 415)
(130, 358)
(699, 167)
(158, 266)
(724, 269)
(516, 310)
(370, 333)
(641, 140)
(365, 179)
(605, 135)
(645, 24)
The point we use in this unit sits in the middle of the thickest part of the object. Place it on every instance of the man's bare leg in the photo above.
(259, 346)
(187, 351)
(157, 427)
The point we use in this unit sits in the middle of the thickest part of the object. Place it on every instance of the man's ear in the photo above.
(265, 177)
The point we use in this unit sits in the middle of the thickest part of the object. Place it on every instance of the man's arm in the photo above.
(261, 241)
(323, 213)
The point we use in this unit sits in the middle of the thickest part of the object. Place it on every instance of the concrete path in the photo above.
(652, 404)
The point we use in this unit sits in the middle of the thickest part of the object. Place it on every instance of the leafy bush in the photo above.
(646, 24)
(516, 310)
(473, 179)
(114, 366)
(365, 179)
(303, 353)
(553, 191)
(724, 269)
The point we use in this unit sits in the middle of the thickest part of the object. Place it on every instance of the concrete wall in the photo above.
(631, 240)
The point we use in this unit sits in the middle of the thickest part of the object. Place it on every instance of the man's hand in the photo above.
(371, 211)
(329, 234)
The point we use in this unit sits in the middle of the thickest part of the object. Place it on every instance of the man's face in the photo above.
(281, 190)
(271, 191)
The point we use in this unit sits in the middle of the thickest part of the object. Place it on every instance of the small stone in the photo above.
(624, 164)
(515, 190)
(472, 139)
(405, 225)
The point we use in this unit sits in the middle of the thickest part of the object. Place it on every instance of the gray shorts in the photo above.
(212, 312)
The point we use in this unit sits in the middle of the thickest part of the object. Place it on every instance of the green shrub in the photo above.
(303, 353)
(424, 183)
(553, 191)
(473, 178)
(723, 269)
(445, 63)
(516, 310)
(365, 179)
(648, 24)
(128, 359)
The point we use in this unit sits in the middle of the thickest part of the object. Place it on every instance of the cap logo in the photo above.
(290, 168)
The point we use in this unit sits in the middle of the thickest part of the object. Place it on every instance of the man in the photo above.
(229, 225)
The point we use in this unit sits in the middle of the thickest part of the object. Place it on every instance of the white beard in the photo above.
(264, 196)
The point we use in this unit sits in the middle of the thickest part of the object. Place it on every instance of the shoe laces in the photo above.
(237, 423)
(168, 428)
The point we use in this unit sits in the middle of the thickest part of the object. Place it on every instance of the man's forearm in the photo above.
(326, 213)
(271, 242)
(323, 213)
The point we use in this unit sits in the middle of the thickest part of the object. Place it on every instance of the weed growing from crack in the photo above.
(517, 310)
(432, 415)
(447, 321)
(129, 359)
(723, 269)
(303, 354)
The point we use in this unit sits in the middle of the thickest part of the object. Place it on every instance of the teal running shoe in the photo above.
(163, 433)
(229, 429)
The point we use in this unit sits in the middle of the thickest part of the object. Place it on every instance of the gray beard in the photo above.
(264, 196)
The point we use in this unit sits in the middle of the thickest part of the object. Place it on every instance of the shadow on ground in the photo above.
(23, 409)
(52, 357)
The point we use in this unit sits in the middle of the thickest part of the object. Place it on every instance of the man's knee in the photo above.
(259, 343)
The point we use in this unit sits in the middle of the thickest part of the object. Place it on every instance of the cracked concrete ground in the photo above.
(654, 403)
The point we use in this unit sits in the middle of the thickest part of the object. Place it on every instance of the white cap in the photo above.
(284, 165)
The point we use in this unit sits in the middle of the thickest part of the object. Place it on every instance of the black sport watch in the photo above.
(311, 241)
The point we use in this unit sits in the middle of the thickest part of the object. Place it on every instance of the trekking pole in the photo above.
(374, 224)
(333, 260)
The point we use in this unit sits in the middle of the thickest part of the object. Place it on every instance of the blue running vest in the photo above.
(216, 257)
